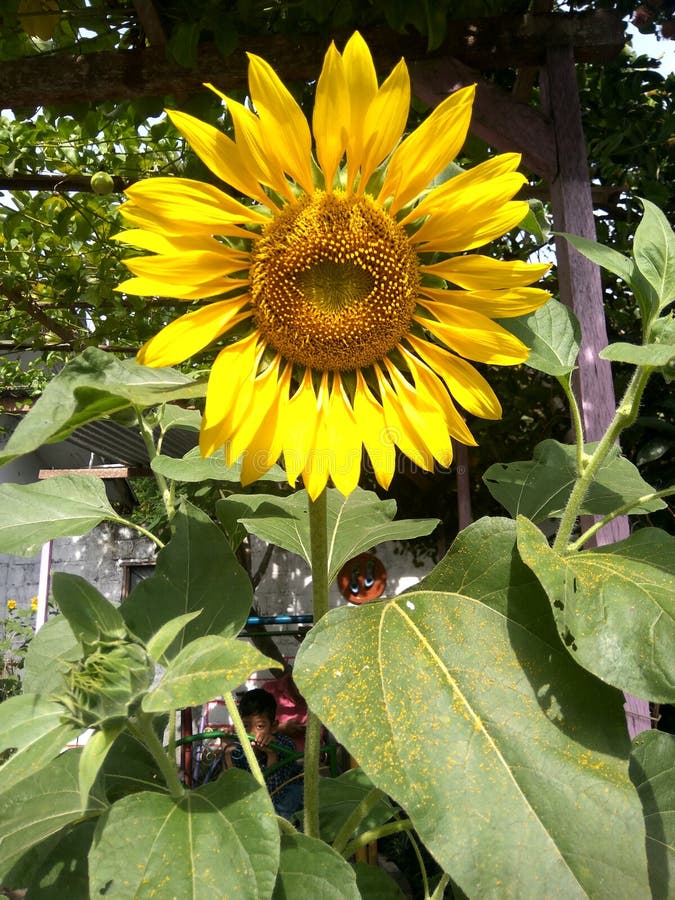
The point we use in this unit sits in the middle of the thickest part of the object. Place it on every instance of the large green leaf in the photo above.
(539, 488)
(195, 467)
(204, 669)
(652, 768)
(308, 869)
(552, 334)
(37, 809)
(221, 840)
(63, 506)
(355, 523)
(339, 796)
(607, 257)
(90, 615)
(89, 387)
(509, 758)
(33, 727)
(52, 647)
(129, 767)
(374, 883)
(639, 355)
(197, 570)
(57, 867)
(614, 606)
(654, 251)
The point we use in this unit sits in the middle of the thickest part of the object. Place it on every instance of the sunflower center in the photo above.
(334, 282)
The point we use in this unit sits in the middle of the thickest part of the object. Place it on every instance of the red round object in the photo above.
(363, 578)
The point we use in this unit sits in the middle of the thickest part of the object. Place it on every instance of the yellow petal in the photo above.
(219, 153)
(159, 243)
(193, 201)
(282, 121)
(230, 381)
(155, 287)
(482, 273)
(427, 429)
(264, 447)
(466, 384)
(374, 433)
(362, 88)
(192, 266)
(404, 432)
(331, 115)
(191, 333)
(476, 337)
(385, 120)
(300, 430)
(265, 389)
(494, 304)
(432, 391)
(429, 149)
(315, 473)
(344, 442)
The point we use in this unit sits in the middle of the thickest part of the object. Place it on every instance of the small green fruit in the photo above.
(102, 183)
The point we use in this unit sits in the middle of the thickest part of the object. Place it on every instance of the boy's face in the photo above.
(260, 727)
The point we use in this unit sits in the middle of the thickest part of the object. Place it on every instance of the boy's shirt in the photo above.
(277, 780)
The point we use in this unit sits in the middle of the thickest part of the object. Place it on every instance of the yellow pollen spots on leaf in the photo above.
(334, 282)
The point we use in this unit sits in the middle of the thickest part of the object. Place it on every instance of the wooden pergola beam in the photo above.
(494, 43)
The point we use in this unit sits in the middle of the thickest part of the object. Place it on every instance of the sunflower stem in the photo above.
(318, 529)
(240, 731)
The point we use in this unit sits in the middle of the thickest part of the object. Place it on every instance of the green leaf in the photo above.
(90, 615)
(374, 883)
(53, 645)
(308, 869)
(197, 570)
(606, 257)
(654, 251)
(129, 767)
(221, 840)
(193, 467)
(552, 334)
(39, 808)
(204, 669)
(63, 506)
(89, 387)
(639, 355)
(94, 754)
(172, 416)
(33, 727)
(614, 607)
(508, 757)
(56, 867)
(355, 523)
(652, 768)
(158, 644)
(339, 796)
(540, 488)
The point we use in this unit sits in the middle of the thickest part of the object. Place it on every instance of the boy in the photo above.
(258, 710)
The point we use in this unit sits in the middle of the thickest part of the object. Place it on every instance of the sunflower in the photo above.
(342, 294)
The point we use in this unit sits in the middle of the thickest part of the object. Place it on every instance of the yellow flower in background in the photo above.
(347, 305)
(11, 605)
(33, 604)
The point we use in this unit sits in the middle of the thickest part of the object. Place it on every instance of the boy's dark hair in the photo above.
(258, 702)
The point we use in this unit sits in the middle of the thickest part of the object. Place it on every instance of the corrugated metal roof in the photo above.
(114, 443)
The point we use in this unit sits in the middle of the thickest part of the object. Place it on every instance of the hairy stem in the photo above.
(374, 834)
(240, 731)
(620, 511)
(162, 483)
(356, 816)
(142, 728)
(318, 528)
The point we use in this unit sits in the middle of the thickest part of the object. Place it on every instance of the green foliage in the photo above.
(16, 633)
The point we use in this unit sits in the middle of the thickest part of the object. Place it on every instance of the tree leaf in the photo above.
(63, 506)
(53, 645)
(355, 523)
(652, 768)
(89, 387)
(204, 669)
(221, 840)
(308, 869)
(197, 570)
(40, 807)
(614, 607)
(194, 467)
(540, 488)
(33, 727)
(654, 251)
(508, 757)
(552, 334)
(639, 355)
(90, 615)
